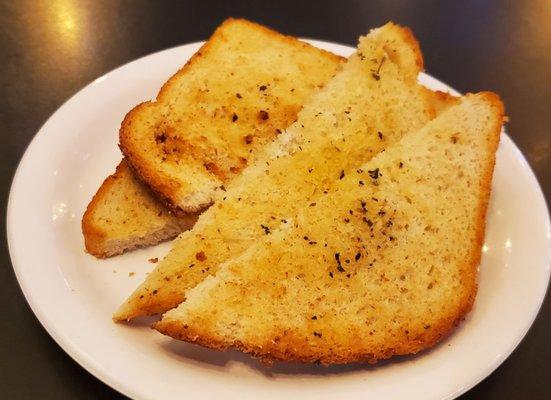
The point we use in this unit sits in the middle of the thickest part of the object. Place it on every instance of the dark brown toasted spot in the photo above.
(160, 137)
(263, 115)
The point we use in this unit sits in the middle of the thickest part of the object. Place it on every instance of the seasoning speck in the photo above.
(339, 265)
(374, 174)
(375, 74)
(153, 260)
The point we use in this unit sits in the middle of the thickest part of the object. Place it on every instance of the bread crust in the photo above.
(471, 267)
(292, 349)
(162, 185)
(276, 35)
(409, 37)
(406, 36)
(94, 238)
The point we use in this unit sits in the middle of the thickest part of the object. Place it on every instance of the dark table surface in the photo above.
(51, 49)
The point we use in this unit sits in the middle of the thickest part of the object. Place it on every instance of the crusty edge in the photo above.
(156, 181)
(273, 352)
(438, 101)
(486, 183)
(95, 240)
(409, 37)
(229, 21)
(114, 247)
(160, 184)
(295, 351)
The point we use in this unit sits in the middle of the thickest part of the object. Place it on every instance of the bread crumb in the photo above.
(131, 273)
(153, 260)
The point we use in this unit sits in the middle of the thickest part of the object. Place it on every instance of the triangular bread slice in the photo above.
(237, 93)
(124, 215)
(385, 264)
(371, 103)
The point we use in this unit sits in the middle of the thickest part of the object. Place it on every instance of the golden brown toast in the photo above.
(384, 264)
(368, 105)
(235, 95)
(105, 241)
(124, 215)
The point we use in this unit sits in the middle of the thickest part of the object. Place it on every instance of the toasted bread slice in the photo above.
(237, 93)
(374, 269)
(371, 103)
(123, 215)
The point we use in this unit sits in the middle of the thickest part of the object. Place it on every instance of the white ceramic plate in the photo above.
(73, 294)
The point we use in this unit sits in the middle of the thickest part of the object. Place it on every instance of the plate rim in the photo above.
(88, 363)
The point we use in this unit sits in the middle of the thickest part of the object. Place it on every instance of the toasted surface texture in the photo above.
(371, 103)
(237, 93)
(384, 264)
(123, 215)
(144, 220)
